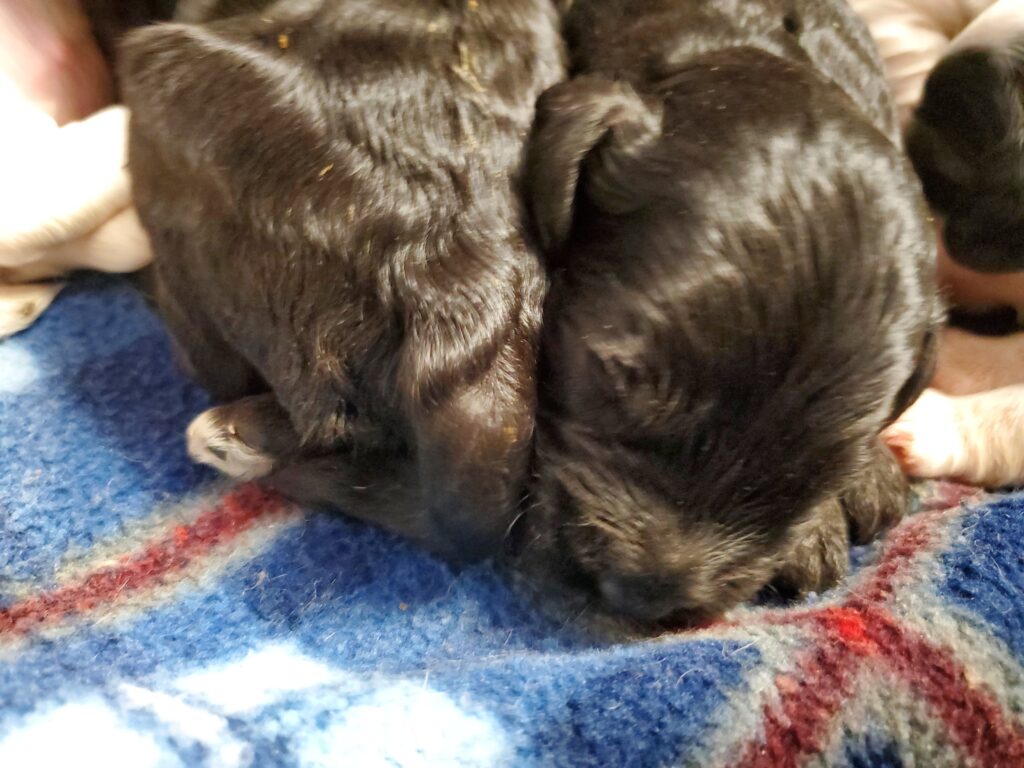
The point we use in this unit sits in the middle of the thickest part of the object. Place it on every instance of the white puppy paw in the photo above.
(216, 444)
(927, 439)
(20, 305)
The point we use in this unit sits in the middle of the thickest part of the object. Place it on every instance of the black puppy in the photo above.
(742, 297)
(331, 187)
(966, 141)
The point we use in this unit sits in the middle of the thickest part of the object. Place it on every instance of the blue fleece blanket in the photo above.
(152, 616)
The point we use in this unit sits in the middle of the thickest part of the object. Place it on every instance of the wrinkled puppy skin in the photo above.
(332, 188)
(742, 298)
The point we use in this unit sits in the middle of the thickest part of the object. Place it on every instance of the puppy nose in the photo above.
(463, 535)
(614, 593)
(641, 599)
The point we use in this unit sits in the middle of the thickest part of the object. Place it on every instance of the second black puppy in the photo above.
(965, 141)
(331, 187)
(742, 298)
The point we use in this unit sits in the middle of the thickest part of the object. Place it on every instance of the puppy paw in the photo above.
(878, 498)
(820, 557)
(927, 440)
(21, 305)
(214, 441)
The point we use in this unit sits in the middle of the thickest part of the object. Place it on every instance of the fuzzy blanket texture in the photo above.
(152, 616)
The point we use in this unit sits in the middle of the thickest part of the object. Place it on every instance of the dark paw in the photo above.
(878, 499)
(214, 441)
(820, 557)
(242, 439)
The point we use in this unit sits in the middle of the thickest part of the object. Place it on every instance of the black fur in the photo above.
(111, 20)
(966, 140)
(331, 187)
(742, 298)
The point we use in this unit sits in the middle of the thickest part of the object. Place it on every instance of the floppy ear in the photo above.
(195, 92)
(587, 128)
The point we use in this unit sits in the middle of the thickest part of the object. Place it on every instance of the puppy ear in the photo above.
(588, 131)
(193, 91)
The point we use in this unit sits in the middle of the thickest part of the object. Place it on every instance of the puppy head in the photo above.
(741, 301)
(965, 141)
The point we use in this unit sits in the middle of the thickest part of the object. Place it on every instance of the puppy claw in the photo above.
(215, 443)
(926, 440)
(21, 305)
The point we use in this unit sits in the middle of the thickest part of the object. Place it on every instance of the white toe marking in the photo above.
(927, 439)
(217, 445)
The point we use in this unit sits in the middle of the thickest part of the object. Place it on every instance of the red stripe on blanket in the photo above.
(917, 534)
(857, 633)
(826, 675)
(813, 694)
(975, 721)
(875, 586)
(235, 513)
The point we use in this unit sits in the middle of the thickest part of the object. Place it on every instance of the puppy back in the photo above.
(348, 179)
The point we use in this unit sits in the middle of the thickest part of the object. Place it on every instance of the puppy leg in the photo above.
(969, 363)
(976, 439)
(927, 439)
(820, 557)
(381, 489)
(202, 351)
(453, 495)
(878, 498)
(454, 492)
(243, 439)
(453, 482)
